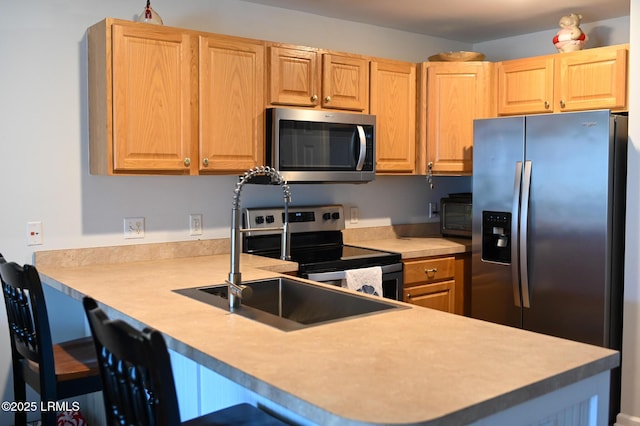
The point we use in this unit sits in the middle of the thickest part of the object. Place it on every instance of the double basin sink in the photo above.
(290, 304)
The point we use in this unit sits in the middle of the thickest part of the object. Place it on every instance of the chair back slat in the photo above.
(21, 320)
(138, 385)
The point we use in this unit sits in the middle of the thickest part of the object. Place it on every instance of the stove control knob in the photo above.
(335, 215)
(326, 216)
(270, 219)
(259, 220)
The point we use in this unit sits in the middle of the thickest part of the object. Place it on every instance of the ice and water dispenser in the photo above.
(496, 237)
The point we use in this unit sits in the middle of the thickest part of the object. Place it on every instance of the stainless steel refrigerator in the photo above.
(548, 224)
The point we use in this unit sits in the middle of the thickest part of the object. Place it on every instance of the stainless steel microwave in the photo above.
(321, 146)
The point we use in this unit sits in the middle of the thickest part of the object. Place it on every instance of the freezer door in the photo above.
(569, 224)
(498, 147)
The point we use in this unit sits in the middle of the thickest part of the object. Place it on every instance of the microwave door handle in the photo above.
(363, 147)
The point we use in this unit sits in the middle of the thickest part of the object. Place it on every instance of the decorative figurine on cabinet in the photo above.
(570, 37)
(149, 15)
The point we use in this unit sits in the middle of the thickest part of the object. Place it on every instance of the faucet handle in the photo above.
(238, 292)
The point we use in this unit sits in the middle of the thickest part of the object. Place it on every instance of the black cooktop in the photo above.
(326, 258)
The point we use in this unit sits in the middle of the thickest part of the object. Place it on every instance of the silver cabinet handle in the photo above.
(205, 162)
(187, 161)
(562, 104)
(427, 271)
(327, 99)
(314, 98)
(546, 104)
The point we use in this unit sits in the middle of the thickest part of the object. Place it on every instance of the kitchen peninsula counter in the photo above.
(406, 366)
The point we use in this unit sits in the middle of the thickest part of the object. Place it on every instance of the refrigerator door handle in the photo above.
(515, 237)
(524, 233)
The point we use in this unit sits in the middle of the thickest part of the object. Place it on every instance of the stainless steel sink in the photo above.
(291, 304)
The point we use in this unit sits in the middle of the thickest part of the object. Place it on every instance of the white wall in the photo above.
(601, 33)
(44, 132)
(631, 327)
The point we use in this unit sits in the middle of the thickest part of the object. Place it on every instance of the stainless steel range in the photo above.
(317, 245)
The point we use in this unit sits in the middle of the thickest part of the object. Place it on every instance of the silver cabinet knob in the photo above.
(562, 104)
(327, 99)
(187, 162)
(205, 162)
(546, 104)
(314, 98)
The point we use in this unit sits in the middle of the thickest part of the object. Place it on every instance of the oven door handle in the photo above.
(340, 275)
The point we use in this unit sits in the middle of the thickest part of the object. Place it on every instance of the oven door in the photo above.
(392, 284)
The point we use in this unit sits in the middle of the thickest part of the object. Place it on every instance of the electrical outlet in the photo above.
(433, 210)
(34, 233)
(195, 224)
(133, 227)
(354, 215)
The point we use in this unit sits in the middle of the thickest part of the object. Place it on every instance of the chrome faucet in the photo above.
(237, 291)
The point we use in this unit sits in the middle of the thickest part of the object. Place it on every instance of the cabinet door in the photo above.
(345, 82)
(294, 76)
(151, 99)
(457, 93)
(231, 107)
(525, 86)
(439, 296)
(592, 79)
(393, 101)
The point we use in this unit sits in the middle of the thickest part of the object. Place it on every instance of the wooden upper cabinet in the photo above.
(587, 79)
(393, 101)
(231, 104)
(452, 95)
(345, 82)
(165, 100)
(311, 78)
(525, 86)
(139, 99)
(592, 79)
(294, 76)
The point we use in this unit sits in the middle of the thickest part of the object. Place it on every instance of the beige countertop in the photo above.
(414, 247)
(407, 366)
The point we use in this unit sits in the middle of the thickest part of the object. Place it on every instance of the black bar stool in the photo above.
(57, 371)
(138, 379)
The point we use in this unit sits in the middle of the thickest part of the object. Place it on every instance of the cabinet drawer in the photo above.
(429, 270)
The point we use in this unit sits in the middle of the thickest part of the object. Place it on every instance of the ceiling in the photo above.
(462, 20)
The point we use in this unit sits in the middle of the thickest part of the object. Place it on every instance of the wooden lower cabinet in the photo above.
(438, 282)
